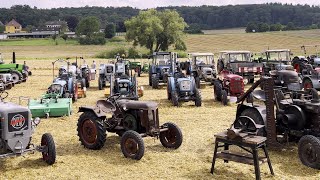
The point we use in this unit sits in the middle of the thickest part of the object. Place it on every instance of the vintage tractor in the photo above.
(55, 103)
(229, 85)
(19, 72)
(299, 62)
(160, 69)
(132, 120)
(202, 67)
(6, 79)
(125, 86)
(296, 118)
(278, 59)
(136, 66)
(310, 77)
(182, 88)
(105, 73)
(84, 73)
(240, 63)
(16, 129)
(70, 73)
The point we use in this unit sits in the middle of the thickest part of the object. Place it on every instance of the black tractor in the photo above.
(132, 120)
(286, 115)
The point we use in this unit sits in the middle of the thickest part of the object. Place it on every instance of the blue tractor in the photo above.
(160, 69)
(181, 88)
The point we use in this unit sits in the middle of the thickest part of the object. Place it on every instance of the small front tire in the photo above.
(172, 138)
(132, 145)
(49, 154)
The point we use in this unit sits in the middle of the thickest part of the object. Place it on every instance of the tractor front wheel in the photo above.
(198, 98)
(197, 80)
(168, 90)
(224, 97)
(16, 76)
(91, 131)
(172, 138)
(309, 151)
(132, 145)
(175, 98)
(155, 82)
(49, 154)
(100, 84)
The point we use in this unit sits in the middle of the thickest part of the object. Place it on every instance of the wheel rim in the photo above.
(131, 146)
(15, 78)
(170, 136)
(89, 131)
(45, 155)
(307, 85)
(309, 153)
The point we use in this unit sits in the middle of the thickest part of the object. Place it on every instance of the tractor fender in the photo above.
(171, 83)
(315, 81)
(70, 85)
(90, 109)
(260, 109)
(153, 69)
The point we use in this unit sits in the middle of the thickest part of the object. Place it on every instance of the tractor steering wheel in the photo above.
(114, 97)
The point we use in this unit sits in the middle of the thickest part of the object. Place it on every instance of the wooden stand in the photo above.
(249, 143)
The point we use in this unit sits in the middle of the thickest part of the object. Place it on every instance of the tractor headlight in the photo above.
(125, 85)
(36, 121)
(185, 85)
(121, 85)
(227, 83)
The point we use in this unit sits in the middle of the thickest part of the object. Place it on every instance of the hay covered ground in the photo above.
(191, 161)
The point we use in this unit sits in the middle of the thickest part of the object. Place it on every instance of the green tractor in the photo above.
(136, 66)
(19, 72)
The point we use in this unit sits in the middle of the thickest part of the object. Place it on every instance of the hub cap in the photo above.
(131, 146)
(89, 131)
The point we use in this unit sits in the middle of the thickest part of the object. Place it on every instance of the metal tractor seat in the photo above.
(130, 104)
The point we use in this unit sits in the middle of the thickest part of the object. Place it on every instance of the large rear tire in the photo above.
(309, 151)
(155, 82)
(49, 155)
(172, 138)
(224, 97)
(91, 131)
(175, 98)
(132, 145)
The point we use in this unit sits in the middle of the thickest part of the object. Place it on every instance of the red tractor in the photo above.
(231, 85)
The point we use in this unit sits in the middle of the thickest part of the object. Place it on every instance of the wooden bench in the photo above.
(250, 143)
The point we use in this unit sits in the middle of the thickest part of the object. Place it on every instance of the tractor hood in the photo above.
(316, 61)
(186, 84)
(60, 82)
(233, 76)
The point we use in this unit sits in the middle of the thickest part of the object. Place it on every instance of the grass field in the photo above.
(191, 161)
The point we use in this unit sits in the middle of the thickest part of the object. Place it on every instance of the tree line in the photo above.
(202, 17)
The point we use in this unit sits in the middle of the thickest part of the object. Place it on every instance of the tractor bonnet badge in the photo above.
(18, 121)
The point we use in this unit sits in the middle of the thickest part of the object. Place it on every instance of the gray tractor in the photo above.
(105, 73)
(160, 69)
(202, 67)
(16, 129)
(182, 88)
(277, 59)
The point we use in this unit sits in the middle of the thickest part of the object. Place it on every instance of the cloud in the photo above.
(142, 4)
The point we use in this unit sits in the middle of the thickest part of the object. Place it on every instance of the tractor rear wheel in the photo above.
(49, 155)
(175, 98)
(16, 76)
(132, 145)
(155, 82)
(224, 97)
(172, 138)
(309, 151)
(307, 84)
(91, 131)
(100, 84)
(198, 98)
(217, 87)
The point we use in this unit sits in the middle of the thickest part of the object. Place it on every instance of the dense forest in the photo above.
(205, 17)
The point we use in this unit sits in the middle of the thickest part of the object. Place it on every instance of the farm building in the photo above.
(13, 27)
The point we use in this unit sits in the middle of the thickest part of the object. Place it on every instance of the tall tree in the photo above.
(72, 22)
(88, 26)
(156, 30)
(110, 30)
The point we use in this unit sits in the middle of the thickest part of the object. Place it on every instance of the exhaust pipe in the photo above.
(14, 57)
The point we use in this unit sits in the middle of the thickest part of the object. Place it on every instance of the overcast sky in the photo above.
(142, 4)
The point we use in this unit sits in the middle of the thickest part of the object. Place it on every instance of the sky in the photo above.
(141, 4)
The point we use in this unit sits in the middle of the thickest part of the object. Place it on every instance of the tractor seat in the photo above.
(130, 104)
